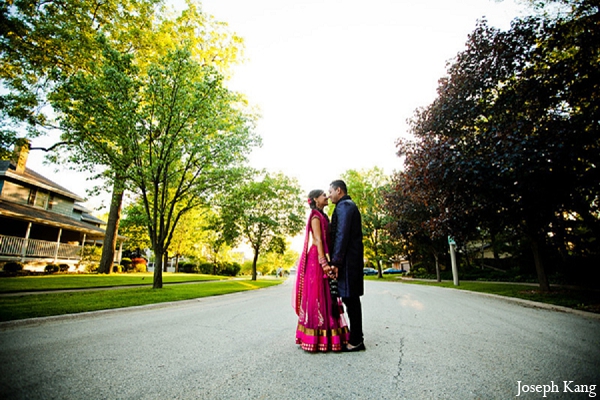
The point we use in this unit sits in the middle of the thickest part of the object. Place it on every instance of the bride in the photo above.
(321, 323)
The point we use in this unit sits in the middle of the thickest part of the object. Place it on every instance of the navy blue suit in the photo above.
(347, 254)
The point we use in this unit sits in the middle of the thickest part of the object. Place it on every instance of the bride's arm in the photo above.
(318, 241)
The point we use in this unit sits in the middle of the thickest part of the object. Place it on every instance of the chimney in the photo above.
(20, 155)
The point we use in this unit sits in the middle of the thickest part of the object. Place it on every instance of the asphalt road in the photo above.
(422, 343)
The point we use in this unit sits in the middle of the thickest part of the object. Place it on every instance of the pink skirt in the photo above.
(318, 329)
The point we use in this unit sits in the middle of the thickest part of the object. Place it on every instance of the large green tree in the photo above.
(192, 137)
(44, 44)
(263, 211)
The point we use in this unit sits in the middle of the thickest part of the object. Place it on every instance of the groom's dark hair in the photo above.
(339, 184)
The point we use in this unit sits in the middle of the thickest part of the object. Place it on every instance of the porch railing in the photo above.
(16, 246)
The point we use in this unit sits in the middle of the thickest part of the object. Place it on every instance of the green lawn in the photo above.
(16, 307)
(53, 282)
(580, 299)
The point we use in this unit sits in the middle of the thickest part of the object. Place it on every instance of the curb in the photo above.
(535, 304)
(98, 313)
(529, 303)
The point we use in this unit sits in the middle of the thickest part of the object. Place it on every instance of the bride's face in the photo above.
(322, 201)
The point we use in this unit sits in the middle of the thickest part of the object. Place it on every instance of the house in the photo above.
(42, 222)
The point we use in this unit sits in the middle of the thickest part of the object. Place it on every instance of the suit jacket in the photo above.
(346, 247)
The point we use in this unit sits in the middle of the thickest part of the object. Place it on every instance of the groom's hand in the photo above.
(334, 271)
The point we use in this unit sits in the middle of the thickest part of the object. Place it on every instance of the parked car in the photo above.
(393, 271)
(369, 271)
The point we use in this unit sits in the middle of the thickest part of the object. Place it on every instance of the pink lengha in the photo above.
(318, 329)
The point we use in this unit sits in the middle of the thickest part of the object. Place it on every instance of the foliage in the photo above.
(139, 265)
(133, 226)
(178, 147)
(510, 146)
(271, 261)
(126, 263)
(91, 268)
(92, 54)
(91, 253)
(51, 268)
(263, 211)
(12, 267)
(189, 146)
(367, 189)
(42, 41)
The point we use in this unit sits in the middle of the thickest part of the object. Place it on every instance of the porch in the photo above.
(24, 249)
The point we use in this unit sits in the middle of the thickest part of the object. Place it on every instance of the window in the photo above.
(32, 195)
(41, 199)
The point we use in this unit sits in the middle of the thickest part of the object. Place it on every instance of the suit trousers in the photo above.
(354, 311)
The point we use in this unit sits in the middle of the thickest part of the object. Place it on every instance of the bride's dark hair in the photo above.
(311, 198)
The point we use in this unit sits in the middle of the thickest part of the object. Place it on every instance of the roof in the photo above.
(86, 214)
(10, 209)
(29, 176)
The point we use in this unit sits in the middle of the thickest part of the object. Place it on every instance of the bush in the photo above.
(91, 268)
(51, 268)
(188, 268)
(126, 263)
(117, 268)
(139, 264)
(229, 269)
(206, 268)
(13, 267)
(63, 267)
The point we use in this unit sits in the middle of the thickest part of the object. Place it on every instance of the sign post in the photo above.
(452, 245)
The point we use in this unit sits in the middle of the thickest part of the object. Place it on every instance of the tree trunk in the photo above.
(539, 266)
(254, 264)
(158, 265)
(112, 227)
(166, 262)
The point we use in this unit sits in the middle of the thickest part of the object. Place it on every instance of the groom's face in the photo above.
(335, 194)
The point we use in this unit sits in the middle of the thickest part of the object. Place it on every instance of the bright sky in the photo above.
(336, 80)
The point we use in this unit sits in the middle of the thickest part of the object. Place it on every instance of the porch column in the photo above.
(57, 244)
(25, 243)
(82, 246)
(120, 254)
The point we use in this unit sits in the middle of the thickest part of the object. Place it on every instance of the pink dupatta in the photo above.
(318, 329)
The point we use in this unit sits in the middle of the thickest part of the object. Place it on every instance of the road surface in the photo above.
(422, 343)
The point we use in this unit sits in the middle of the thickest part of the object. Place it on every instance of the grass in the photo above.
(17, 307)
(576, 298)
(55, 282)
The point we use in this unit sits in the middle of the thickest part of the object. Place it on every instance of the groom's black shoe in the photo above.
(359, 347)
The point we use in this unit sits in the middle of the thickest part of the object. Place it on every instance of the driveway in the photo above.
(422, 343)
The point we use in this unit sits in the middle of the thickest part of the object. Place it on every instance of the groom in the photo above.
(347, 258)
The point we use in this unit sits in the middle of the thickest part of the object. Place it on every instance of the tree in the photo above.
(366, 189)
(263, 212)
(274, 260)
(192, 137)
(511, 140)
(189, 235)
(133, 226)
(412, 220)
(43, 41)
(45, 44)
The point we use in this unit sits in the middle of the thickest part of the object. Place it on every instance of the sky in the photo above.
(334, 80)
